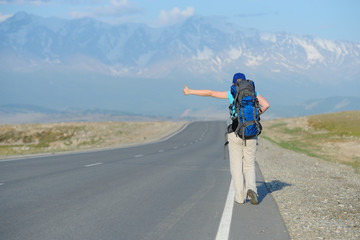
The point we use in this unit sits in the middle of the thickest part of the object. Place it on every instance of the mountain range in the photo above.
(84, 63)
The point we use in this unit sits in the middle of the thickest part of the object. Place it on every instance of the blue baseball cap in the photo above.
(238, 76)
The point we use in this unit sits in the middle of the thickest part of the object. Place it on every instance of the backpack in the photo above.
(244, 111)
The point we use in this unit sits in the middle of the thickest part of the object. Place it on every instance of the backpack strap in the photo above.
(226, 143)
(257, 116)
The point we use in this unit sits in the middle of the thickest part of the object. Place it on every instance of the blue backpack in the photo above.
(244, 110)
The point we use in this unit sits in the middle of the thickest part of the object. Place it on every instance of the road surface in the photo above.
(173, 189)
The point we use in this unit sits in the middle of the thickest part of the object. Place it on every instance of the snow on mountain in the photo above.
(199, 45)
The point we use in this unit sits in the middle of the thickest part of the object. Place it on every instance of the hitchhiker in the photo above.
(245, 106)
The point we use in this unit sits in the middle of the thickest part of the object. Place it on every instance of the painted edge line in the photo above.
(225, 222)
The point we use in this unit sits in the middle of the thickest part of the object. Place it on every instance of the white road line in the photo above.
(1, 184)
(225, 223)
(140, 155)
(93, 164)
(160, 151)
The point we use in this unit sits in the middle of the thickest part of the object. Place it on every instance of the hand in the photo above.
(186, 90)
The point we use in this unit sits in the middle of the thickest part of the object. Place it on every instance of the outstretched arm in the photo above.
(205, 93)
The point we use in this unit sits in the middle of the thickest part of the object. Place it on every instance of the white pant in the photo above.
(242, 165)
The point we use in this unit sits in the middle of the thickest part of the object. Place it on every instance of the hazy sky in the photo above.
(330, 19)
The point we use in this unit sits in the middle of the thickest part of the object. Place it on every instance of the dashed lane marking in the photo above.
(140, 155)
(93, 164)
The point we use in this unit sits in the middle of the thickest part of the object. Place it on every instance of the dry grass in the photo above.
(333, 137)
(57, 137)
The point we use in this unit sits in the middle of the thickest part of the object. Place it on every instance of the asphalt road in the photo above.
(173, 189)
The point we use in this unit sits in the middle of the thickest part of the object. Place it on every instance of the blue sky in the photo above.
(329, 19)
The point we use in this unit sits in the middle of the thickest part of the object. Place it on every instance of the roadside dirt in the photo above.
(299, 135)
(59, 137)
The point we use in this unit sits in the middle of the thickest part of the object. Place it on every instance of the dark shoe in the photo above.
(252, 197)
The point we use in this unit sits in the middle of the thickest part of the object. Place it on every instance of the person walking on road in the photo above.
(242, 152)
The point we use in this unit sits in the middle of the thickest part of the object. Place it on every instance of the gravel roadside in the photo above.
(317, 199)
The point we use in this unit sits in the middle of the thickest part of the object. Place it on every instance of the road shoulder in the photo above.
(317, 199)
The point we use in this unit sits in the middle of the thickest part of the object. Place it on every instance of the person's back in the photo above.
(242, 156)
(244, 110)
